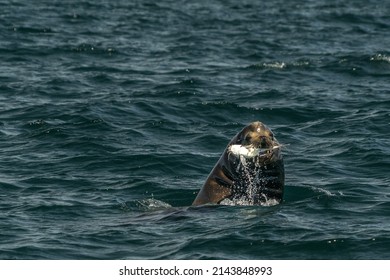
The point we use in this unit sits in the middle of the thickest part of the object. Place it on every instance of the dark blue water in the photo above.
(113, 113)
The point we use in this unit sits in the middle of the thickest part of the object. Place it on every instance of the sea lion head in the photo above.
(255, 141)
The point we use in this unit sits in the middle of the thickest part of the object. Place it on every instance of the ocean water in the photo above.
(113, 113)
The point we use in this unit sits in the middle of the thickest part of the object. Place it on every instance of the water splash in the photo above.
(243, 201)
(380, 57)
(151, 204)
(253, 183)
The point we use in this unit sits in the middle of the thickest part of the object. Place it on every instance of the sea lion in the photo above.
(249, 172)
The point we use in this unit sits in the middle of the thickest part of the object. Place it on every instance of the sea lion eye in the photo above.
(247, 140)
